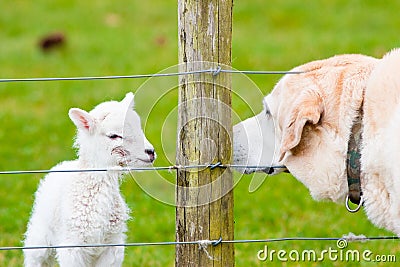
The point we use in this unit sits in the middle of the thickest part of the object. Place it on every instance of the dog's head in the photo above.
(306, 122)
(254, 144)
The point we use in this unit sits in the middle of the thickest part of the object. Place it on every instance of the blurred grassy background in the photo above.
(122, 38)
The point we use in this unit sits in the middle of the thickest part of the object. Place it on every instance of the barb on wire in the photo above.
(214, 72)
(217, 71)
(121, 169)
(197, 242)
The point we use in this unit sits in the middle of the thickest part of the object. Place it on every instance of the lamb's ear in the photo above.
(129, 100)
(306, 109)
(82, 119)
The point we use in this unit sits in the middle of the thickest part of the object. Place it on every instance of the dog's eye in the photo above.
(267, 112)
(266, 109)
(114, 136)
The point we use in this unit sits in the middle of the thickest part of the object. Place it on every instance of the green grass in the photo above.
(122, 38)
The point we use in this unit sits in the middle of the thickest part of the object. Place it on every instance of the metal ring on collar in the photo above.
(357, 208)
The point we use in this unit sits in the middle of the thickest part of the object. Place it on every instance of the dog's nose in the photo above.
(151, 153)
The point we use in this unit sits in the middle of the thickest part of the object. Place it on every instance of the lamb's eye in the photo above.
(114, 136)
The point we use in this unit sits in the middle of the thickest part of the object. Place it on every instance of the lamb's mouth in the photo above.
(127, 162)
(124, 163)
(119, 150)
(147, 161)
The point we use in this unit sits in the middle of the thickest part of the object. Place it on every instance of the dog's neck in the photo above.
(353, 166)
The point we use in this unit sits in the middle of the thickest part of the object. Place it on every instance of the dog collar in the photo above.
(353, 166)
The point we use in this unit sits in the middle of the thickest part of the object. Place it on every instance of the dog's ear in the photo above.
(306, 109)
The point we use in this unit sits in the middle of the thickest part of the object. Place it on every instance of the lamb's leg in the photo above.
(111, 257)
(38, 257)
(36, 236)
(77, 257)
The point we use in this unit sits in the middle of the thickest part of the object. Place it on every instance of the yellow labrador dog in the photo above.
(308, 126)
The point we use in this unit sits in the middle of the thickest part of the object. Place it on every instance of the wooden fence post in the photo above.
(204, 197)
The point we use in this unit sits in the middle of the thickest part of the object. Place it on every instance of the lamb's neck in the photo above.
(111, 174)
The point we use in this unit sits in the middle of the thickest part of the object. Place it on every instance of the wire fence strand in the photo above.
(207, 242)
(153, 75)
(160, 168)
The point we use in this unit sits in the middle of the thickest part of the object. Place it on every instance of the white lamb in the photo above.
(87, 207)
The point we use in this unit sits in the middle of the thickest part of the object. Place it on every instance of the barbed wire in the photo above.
(139, 76)
(160, 168)
(350, 238)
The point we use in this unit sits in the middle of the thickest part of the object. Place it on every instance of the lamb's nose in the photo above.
(151, 153)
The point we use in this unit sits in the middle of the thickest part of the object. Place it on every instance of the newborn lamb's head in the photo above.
(111, 135)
